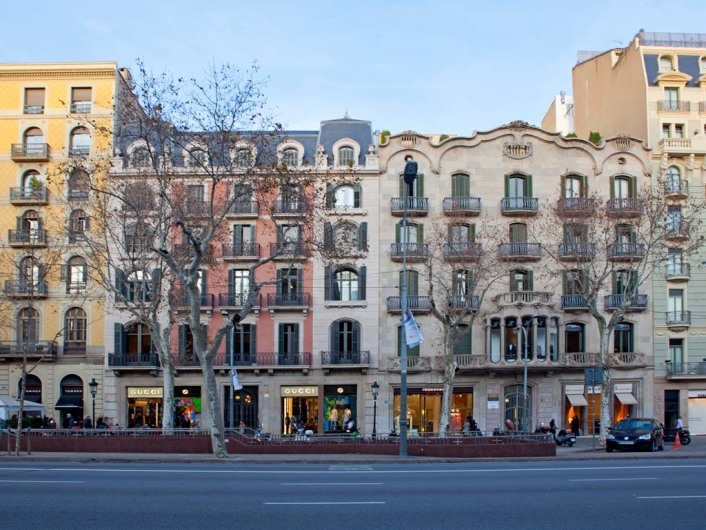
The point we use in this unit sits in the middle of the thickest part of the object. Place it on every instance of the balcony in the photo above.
(519, 206)
(416, 252)
(462, 251)
(524, 298)
(666, 105)
(195, 207)
(688, 370)
(80, 107)
(289, 301)
(271, 360)
(678, 320)
(576, 206)
(574, 302)
(30, 152)
(414, 364)
(35, 351)
(417, 304)
(27, 238)
(626, 251)
(577, 251)
(206, 300)
(461, 206)
(678, 271)
(244, 209)
(241, 251)
(627, 360)
(292, 250)
(625, 207)
(25, 289)
(676, 189)
(78, 151)
(461, 302)
(79, 194)
(237, 300)
(33, 109)
(631, 302)
(134, 361)
(520, 251)
(513, 362)
(416, 206)
(676, 232)
(29, 196)
(289, 208)
(345, 360)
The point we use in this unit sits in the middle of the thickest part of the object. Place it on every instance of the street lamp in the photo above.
(93, 386)
(524, 378)
(375, 388)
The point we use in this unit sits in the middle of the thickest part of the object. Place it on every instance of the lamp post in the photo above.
(93, 386)
(410, 175)
(524, 377)
(375, 388)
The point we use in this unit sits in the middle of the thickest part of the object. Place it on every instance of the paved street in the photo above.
(629, 493)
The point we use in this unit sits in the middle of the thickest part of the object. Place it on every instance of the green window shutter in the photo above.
(355, 346)
(183, 332)
(362, 273)
(528, 186)
(363, 236)
(237, 236)
(328, 235)
(279, 281)
(507, 186)
(231, 281)
(333, 336)
(204, 282)
(296, 338)
(530, 281)
(329, 196)
(615, 282)
(472, 234)
(229, 343)
(119, 338)
(584, 186)
(632, 188)
(398, 233)
(300, 285)
(612, 187)
(420, 185)
(420, 233)
(253, 339)
(412, 283)
(357, 196)
(280, 337)
(328, 283)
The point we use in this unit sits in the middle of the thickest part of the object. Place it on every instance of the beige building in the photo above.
(654, 89)
(510, 177)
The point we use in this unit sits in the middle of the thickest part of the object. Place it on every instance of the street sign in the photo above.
(593, 376)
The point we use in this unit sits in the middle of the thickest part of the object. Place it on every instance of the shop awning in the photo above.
(577, 400)
(69, 402)
(626, 399)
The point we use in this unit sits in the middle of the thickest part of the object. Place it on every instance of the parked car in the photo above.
(635, 433)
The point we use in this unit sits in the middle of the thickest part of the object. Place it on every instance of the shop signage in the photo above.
(435, 390)
(145, 391)
(623, 388)
(697, 394)
(573, 389)
(300, 391)
(493, 400)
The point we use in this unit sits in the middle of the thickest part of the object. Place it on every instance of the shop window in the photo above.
(340, 405)
(70, 402)
(424, 409)
(244, 408)
(517, 410)
(75, 324)
(495, 340)
(33, 388)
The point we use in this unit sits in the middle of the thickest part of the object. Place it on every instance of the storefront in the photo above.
(340, 406)
(623, 401)
(300, 406)
(424, 409)
(697, 412)
(244, 407)
(581, 410)
(187, 407)
(145, 404)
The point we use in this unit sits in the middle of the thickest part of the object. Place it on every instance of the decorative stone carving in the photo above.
(517, 150)
(623, 142)
(409, 139)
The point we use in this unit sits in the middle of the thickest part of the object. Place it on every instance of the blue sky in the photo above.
(434, 66)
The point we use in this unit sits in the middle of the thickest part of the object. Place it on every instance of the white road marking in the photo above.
(602, 479)
(44, 481)
(341, 503)
(675, 497)
(332, 483)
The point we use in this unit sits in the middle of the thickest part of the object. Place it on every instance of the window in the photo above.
(28, 326)
(575, 338)
(575, 282)
(288, 343)
(34, 101)
(243, 240)
(411, 352)
(518, 233)
(289, 283)
(459, 234)
(243, 157)
(676, 353)
(138, 199)
(80, 142)
(623, 188)
(345, 156)
(75, 323)
(79, 185)
(33, 388)
(460, 185)
(462, 283)
(195, 192)
(623, 337)
(81, 100)
(346, 238)
(702, 64)
(345, 196)
(674, 219)
(242, 344)
(675, 264)
(625, 236)
(31, 276)
(29, 227)
(32, 183)
(75, 274)
(515, 403)
(671, 98)
(290, 157)
(140, 158)
(196, 158)
(33, 141)
(413, 234)
(575, 233)
(673, 178)
(288, 238)
(462, 345)
(678, 130)
(520, 280)
(290, 197)
(675, 305)
(666, 63)
(137, 339)
(517, 188)
(138, 238)
(416, 189)
(495, 341)
(345, 338)
(412, 282)
(344, 284)
(138, 287)
(238, 286)
(78, 226)
(624, 282)
(666, 130)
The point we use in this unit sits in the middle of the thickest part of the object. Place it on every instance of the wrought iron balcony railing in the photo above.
(343, 358)
(520, 250)
(462, 250)
(29, 195)
(625, 207)
(519, 205)
(415, 251)
(626, 251)
(415, 206)
(241, 250)
(629, 301)
(462, 205)
(288, 299)
(29, 152)
(133, 360)
(414, 302)
(678, 318)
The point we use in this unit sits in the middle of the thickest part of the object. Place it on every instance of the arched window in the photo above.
(33, 388)
(515, 408)
(197, 158)
(345, 340)
(666, 63)
(137, 339)
(75, 275)
(518, 188)
(346, 196)
(672, 179)
(80, 142)
(346, 237)
(573, 187)
(138, 199)
(290, 157)
(31, 182)
(29, 228)
(79, 184)
(243, 157)
(345, 156)
(28, 326)
(78, 226)
(70, 400)
(75, 331)
(31, 276)
(495, 339)
(344, 285)
(140, 158)
(33, 137)
(460, 185)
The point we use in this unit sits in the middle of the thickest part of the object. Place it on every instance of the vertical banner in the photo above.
(235, 380)
(413, 334)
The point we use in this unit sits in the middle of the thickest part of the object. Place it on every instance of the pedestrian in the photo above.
(466, 425)
(68, 421)
(575, 425)
(552, 427)
(678, 425)
(87, 423)
(287, 423)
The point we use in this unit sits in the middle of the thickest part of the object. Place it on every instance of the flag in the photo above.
(236, 382)
(412, 333)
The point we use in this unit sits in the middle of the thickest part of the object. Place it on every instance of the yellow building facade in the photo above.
(56, 123)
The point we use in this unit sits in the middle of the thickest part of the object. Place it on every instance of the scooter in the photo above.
(564, 438)
(670, 435)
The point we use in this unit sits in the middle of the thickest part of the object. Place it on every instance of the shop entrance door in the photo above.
(244, 408)
(300, 410)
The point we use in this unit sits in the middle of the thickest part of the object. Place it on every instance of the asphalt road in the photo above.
(639, 493)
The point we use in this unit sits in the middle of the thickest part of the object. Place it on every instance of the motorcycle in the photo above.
(564, 438)
(670, 435)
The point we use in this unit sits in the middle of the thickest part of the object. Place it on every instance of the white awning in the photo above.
(626, 399)
(577, 400)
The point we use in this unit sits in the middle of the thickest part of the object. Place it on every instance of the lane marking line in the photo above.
(335, 503)
(608, 479)
(675, 497)
(332, 483)
(43, 481)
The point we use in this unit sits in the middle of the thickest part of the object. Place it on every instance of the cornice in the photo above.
(56, 73)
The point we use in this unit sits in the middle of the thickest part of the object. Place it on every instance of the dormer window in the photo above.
(290, 157)
(702, 64)
(346, 156)
(666, 63)
(140, 158)
(243, 158)
(196, 158)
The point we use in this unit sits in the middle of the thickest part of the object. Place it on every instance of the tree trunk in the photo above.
(20, 412)
(168, 391)
(215, 418)
(450, 366)
(605, 389)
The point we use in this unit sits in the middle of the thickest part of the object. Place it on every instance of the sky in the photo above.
(432, 66)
